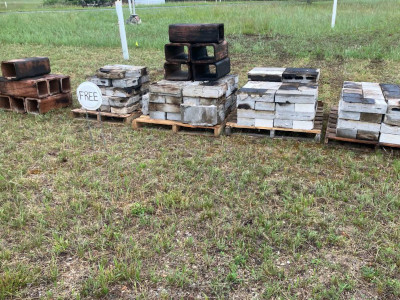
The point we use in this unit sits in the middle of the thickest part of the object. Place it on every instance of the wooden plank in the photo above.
(176, 126)
(107, 117)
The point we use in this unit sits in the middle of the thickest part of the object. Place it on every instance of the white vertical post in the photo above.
(121, 22)
(5, 4)
(334, 13)
(130, 7)
(133, 8)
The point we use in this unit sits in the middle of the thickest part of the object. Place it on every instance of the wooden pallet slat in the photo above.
(315, 132)
(107, 117)
(178, 126)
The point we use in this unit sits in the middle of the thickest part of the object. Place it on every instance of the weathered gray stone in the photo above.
(283, 123)
(172, 108)
(145, 104)
(389, 129)
(105, 108)
(392, 119)
(174, 116)
(202, 115)
(305, 125)
(126, 82)
(159, 115)
(298, 116)
(358, 125)
(367, 135)
(99, 81)
(266, 74)
(122, 102)
(260, 91)
(264, 123)
(254, 114)
(284, 107)
(346, 133)
(170, 88)
(125, 109)
(299, 107)
(264, 106)
(389, 138)
(371, 118)
(245, 121)
(224, 86)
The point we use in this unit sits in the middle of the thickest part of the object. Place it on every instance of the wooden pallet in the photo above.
(180, 127)
(111, 118)
(330, 134)
(276, 132)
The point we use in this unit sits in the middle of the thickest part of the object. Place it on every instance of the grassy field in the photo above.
(153, 215)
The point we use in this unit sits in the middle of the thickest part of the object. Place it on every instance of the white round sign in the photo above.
(89, 95)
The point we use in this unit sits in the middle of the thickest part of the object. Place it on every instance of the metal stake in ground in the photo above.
(89, 96)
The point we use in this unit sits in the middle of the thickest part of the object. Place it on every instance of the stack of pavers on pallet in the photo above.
(208, 99)
(122, 87)
(390, 128)
(279, 98)
(361, 109)
(28, 86)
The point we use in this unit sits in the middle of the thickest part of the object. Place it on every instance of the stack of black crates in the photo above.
(196, 52)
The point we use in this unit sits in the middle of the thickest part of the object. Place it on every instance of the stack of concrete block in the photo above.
(390, 128)
(210, 102)
(197, 103)
(122, 87)
(28, 86)
(165, 99)
(279, 97)
(361, 109)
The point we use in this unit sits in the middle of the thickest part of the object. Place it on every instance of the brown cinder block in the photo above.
(44, 105)
(5, 102)
(16, 69)
(30, 87)
(18, 104)
(196, 33)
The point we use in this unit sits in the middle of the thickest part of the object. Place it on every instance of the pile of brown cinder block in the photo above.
(28, 86)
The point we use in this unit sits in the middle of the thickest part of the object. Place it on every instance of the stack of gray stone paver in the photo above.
(390, 127)
(279, 97)
(361, 109)
(197, 103)
(122, 87)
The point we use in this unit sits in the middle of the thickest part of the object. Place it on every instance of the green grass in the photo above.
(273, 28)
(154, 215)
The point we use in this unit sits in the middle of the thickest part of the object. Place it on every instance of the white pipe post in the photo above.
(5, 4)
(133, 7)
(130, 7)
(334, 13)
(122, 33)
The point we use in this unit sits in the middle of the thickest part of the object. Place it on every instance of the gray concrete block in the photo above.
(159, 115)
(174, 116)
(266, 74)
(123, 102)
(100, 81)
(299, 107)
(264, 106)
(389, 138)
(224, 86)
(244, 101)
(368, 135)
(172, 108)
(245, 121)
(358, 125)
(125, 109)
(283, 123)
(305, 125)
(126, 82)
(254, 114)
(264, 123)
(202, 115)
(145, 104)
(170, 88)
(392, 119)
(346, 133)
(105, 108)
(285, 107)
(389, 129)
(305, 116)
